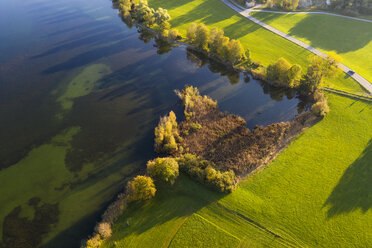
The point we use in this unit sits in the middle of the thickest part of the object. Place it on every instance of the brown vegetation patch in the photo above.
(225, 140)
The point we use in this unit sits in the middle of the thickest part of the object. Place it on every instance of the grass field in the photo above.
(265, 46)
(315, 194)
(351, 39)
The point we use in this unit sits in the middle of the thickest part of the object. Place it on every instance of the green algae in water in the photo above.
(83, 84)
(37, 174)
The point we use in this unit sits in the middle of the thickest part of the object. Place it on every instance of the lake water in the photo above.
(80, 95)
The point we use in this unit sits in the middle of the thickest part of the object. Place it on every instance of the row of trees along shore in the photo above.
(215, 44)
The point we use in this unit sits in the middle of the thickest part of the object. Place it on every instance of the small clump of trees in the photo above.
(167, 137)
(204, 172)
(284, 73)
(164, 169)
(148, 17)
(216, 43)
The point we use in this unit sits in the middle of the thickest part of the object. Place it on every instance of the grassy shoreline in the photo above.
(315, 193)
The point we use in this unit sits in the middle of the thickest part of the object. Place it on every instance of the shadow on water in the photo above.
(353, 191)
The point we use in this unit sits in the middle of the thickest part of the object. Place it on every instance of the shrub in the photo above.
(165, 169)
(202, 37)
(191, 32)
(94, 242)
(320, 108)
(161, 15)
(190, 96)
(278, 71)
(195, 126)
(104, 229)
(203, 171)
(294, 75)
(166, 134)
(115, 209)
(174, 35)
(236, 52)
(141, 188)
(144, 14)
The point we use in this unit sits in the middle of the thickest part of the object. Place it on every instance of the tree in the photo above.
(191, 32)
(173, 34)
(202, 37)
(144, 13)
(216, 40)
(161, 15)
(166, 134)
(278, 71)
(294, 4)
(165, 169)
(141, 188)
(321, 68)
(236, 52)
(294, 76)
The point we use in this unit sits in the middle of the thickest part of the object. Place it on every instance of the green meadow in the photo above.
(351, 39)
(265, 47)
(316, 193)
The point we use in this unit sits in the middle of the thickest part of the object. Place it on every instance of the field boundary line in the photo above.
(348, 94)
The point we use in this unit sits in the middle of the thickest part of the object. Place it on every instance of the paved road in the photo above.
(246, 13)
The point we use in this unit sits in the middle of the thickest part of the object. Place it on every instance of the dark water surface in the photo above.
(80, 94)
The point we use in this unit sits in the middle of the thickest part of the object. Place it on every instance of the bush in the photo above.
(191, 32)
(94, 242)
(190, 96)
(174, 35)
(201, 40)
(320, 108)
(165, 169)
(104, 229)
(141, 188)
(166, 134)
(236, 52)
(195, 126)
(115, 209)
(203, 171)
(294, 75)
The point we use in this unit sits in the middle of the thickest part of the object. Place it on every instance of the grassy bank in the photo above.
(265, 47)
(315, 194)
(350, 39)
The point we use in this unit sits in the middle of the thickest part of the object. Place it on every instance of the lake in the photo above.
(80, 95)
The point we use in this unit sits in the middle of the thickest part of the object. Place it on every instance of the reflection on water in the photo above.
(80, 94)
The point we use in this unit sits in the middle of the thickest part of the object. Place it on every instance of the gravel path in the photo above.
(246, 13)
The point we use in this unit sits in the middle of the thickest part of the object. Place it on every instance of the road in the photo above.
(246, 13)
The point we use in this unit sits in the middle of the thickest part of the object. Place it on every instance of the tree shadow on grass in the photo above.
(353, 191)
(333, 33)
(181, 200)
(327, 32)
(241, 28)
(209, 12)
(169, 5)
